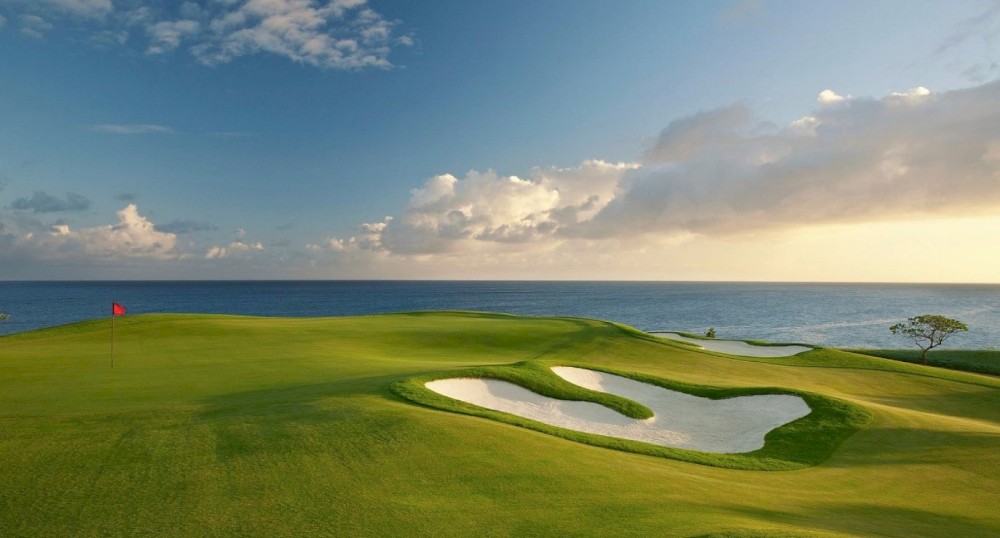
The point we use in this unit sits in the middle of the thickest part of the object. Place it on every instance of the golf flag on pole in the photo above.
(116, 310)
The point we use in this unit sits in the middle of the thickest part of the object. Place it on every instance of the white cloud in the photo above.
(3, 21)
(711, 176)
(132, 237)
(330, 34)
(334, 35)
(869, 160)
(912, 96)
(448, 214)
(166, 36)
(829, 97)
(806, 125)
(234, 248)
(34, 26)
(130, 129)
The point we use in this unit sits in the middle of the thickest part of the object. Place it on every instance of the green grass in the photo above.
(983, 361)
(218, 426)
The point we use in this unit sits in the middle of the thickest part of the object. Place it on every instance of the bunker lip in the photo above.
(736, 347)
(728, 426)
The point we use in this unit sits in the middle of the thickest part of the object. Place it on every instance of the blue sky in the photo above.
(273, 138)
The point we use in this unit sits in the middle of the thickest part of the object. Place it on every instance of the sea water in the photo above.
(822, 314)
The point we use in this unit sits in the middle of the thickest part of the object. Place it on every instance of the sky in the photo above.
(733, 140)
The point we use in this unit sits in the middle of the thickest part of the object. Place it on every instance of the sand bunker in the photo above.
(737, 347)
(733, 425)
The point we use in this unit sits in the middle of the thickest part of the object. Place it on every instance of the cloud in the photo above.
(913, 96)
(972, 44)
(165, 36)
(329, 34)
(104, 39)
(3, 21)
(131, 129)
(180, 227)
(829, 97)
(909, 154)
(718, 174)
(41, 202)
(236, 248)
(447, 214)
(342, 34)
(126, 197)
(34, 26)
(191, 10)
(132, 237)
(980, 26)
(82, 8)
(687, 137)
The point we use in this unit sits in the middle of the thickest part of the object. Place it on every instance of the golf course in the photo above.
(212, 425)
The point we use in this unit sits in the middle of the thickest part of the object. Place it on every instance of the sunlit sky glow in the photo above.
(751, 140)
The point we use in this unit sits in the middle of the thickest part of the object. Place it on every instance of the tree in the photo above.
(710, 333)
(928, 331)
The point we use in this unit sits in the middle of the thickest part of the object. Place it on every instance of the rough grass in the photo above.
(237, 426)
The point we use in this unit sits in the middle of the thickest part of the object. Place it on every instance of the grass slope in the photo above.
(216, 425)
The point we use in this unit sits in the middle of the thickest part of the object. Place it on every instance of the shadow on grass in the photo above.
(760, 533)
(983, 361)
(979, 403)
(906, 446)
(868, 519)
(283, 420)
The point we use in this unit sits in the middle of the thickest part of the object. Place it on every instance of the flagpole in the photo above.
(116, 310)
(112, 336)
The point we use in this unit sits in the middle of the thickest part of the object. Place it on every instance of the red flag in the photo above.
(117, 309)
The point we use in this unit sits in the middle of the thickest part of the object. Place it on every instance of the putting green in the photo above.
(220, 425)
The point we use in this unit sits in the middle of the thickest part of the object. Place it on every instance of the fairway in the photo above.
(225, 425)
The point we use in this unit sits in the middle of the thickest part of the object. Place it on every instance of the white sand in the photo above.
(680, 420)
(737, 347)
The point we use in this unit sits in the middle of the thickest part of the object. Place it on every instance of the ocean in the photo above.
(833, 315)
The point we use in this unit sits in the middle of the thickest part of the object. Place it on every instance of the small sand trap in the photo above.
(737, 347)
(733, 425)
